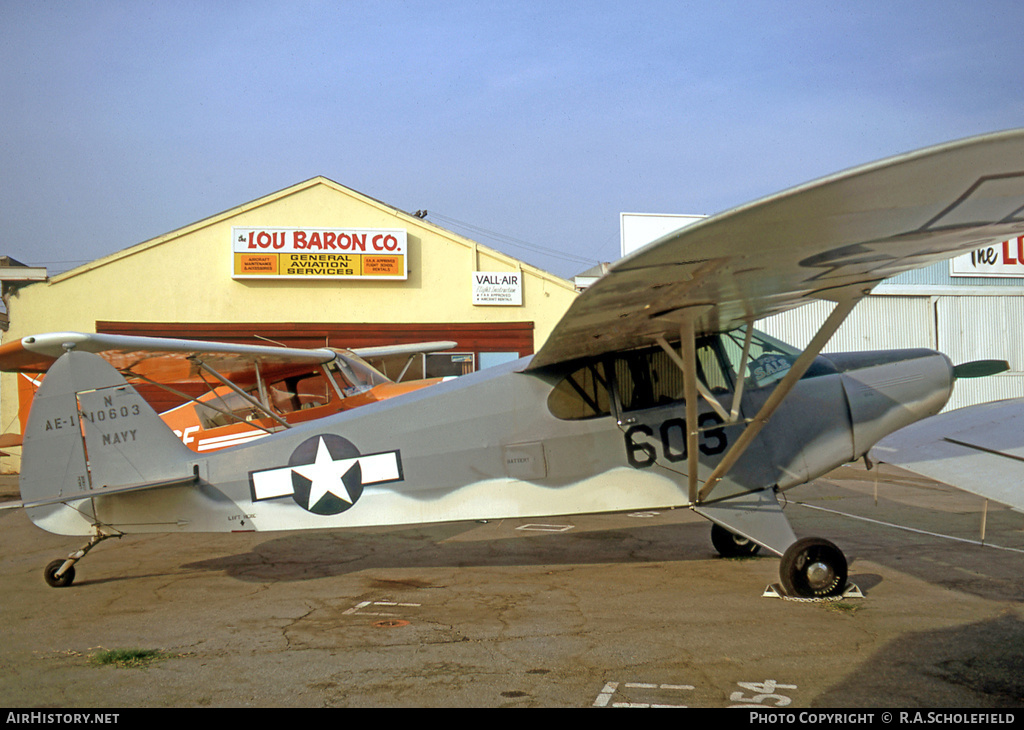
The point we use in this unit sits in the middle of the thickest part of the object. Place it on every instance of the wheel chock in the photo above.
(775, 590)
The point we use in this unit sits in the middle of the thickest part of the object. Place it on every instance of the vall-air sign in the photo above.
(318, 253)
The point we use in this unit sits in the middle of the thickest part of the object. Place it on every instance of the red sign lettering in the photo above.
(1008, 257)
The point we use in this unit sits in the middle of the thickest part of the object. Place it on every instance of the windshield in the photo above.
(357, 374)
(769, 359)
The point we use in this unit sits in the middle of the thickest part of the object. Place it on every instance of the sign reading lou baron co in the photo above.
(1000, 259)
(318, 253)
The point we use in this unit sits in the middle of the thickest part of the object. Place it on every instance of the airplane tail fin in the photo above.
(90, 433)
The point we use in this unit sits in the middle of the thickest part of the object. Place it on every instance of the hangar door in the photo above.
(983, 328)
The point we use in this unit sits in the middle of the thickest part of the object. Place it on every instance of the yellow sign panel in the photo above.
(321, 253)
(255, 264)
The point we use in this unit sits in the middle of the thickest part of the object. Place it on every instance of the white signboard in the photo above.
(318, 253)
(498, 288)
(1005, 259)
(639, 229)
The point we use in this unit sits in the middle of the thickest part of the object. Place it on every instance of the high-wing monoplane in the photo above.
(225, 394)
(654, 390)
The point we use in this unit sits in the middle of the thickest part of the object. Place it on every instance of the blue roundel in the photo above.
(326, 476)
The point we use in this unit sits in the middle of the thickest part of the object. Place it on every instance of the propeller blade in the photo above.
(980, 368)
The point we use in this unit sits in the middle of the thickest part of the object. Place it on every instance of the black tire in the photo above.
(813, 568)
(730, 545)
(50, 575)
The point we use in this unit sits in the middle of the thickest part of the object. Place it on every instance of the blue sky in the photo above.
(528, 126)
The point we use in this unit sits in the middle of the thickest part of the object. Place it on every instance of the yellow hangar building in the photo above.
(316, 264)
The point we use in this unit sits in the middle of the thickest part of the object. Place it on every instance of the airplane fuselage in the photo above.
(595, 436)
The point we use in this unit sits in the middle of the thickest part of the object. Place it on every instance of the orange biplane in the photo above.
(244, 391)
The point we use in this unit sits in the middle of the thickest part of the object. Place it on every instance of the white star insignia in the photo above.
(326, 475)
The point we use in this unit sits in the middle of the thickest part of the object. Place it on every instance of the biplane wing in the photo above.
(158, 358)
(209, 370)
(396, 360)
(979, 449)
(171, 359)
(830, 239)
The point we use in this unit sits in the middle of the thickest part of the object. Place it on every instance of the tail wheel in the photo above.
(730, 545)
(813, 568)
(50, 574)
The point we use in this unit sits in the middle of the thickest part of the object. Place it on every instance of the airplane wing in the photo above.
(161, 359)
(413, 348)
(165, 360)
(831, 239)
(395, 360)
(979, 449)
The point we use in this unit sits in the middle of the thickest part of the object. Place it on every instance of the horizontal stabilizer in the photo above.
(979, 449)
(107, 491)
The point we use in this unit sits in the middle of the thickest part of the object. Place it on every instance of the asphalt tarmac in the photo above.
(594, 611)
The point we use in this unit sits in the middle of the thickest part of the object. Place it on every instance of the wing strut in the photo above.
(242, 393)
(737, 396)
(681, 358)
(127, 373)
(835, 319)
(688, 349)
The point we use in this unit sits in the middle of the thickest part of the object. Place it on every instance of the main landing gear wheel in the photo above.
(730, 545)
(50, 574)
(813, 568)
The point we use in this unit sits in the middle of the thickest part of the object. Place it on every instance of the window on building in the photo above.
(490, 359)
(447, 364)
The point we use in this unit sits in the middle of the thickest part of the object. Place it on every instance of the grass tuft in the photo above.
(127, 657)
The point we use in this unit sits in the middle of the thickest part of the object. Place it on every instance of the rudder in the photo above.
(90, 431)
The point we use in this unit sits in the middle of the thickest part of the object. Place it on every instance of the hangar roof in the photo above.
(407, 218)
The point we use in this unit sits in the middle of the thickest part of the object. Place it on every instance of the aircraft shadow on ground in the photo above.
(307, 556)
(982, 662)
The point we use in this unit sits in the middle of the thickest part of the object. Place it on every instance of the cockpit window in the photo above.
(769, 359)
(581, 394)
(643, 379)
(229, 407)
(649, 378)
(646, 379)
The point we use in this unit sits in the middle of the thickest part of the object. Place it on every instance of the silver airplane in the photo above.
(653, 391)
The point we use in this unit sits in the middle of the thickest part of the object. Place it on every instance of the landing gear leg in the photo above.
(730, 545)
(61, 573)
(813, 568)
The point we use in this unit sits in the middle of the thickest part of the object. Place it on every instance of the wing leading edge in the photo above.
(157, 357)
(166, 359)
(832, 239)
